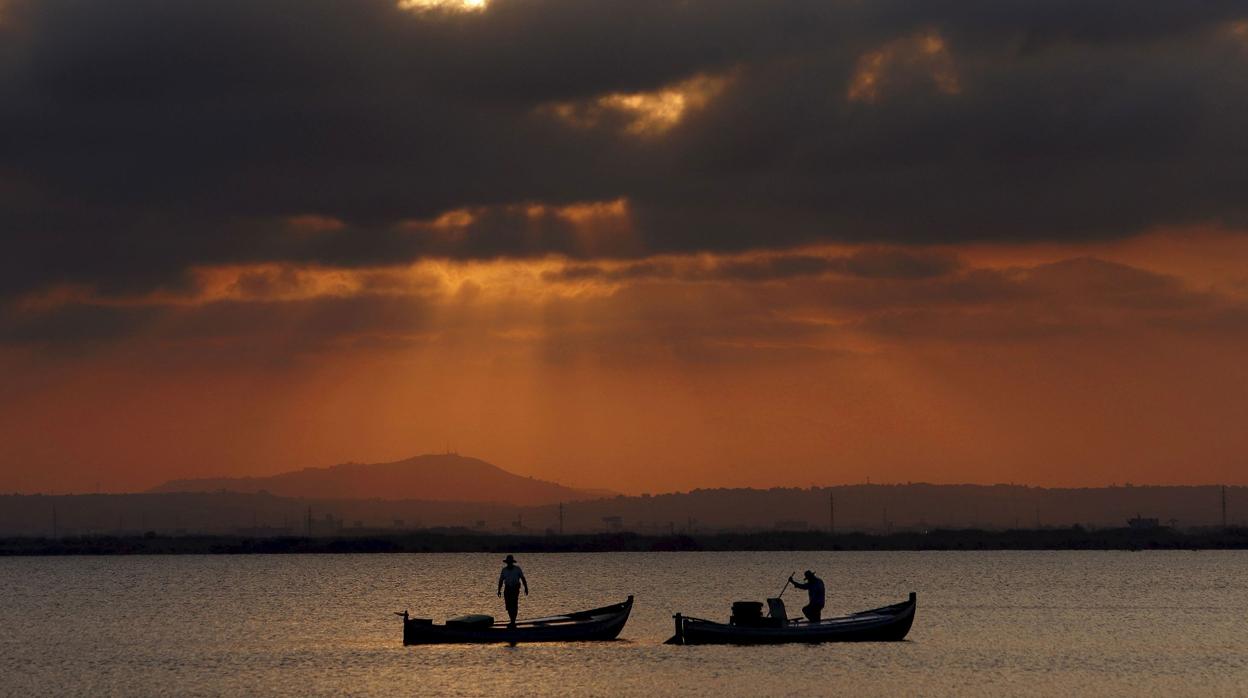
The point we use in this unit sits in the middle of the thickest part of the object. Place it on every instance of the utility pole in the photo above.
(561, 518)
(309, 522)
(54, 521)
(1223, 506)
(831, 513)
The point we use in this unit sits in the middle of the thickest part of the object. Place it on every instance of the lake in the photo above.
(988, 623)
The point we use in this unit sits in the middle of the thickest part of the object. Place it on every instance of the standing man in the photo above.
(509, 582)
(814, 586)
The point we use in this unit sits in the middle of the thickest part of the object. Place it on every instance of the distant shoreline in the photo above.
(458, 541)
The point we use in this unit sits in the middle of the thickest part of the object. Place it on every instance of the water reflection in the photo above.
(1058, 622)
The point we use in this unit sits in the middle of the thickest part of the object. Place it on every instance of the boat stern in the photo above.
(679, 637)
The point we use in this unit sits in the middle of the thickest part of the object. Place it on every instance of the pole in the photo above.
(561, 518)
(831, 513)
(53, 521)
(786, 585)
(1223, 506)
(309, 522)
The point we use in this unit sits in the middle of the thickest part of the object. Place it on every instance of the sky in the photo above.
(646, 245)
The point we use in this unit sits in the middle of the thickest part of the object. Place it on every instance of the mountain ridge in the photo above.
(431, 477)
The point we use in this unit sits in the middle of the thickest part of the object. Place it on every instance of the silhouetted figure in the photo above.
(509, 582)
(814, 586)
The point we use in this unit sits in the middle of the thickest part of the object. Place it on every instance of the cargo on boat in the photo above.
(596, 624)
(749, 627)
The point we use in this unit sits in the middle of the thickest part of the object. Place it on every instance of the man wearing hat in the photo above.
(813, 586)
(509, 582)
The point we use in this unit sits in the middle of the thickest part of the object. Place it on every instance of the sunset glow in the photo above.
(453, 5)
(645, 247)
(645, 113)
(926, 54)
(320, 317)
(743, 345)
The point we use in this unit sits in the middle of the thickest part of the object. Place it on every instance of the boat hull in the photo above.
(886, 624)
(594, 625)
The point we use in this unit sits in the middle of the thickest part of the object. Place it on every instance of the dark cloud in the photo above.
(657, 312)
(898, 264)
(145, 137)
(871, 263)
(627, 272)
(72, 327)
(268, 330)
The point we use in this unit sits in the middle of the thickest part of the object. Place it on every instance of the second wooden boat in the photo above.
(887, 623)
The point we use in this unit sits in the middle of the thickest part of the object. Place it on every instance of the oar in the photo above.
(786, 584)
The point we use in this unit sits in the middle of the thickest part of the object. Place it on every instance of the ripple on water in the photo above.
(1161, 623)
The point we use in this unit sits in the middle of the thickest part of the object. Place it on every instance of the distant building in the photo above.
(613, 523)
(327, 525)
(1140, 523)
(261, 531)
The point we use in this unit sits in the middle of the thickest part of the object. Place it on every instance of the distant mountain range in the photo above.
(437, 478)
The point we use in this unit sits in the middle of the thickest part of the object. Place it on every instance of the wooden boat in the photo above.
(596, 624)
(888, 623)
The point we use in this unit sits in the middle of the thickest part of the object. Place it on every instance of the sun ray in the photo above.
(444, 5)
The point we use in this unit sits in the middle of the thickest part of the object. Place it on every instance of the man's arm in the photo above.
(500, 583)
(799, 585)
(525, 582)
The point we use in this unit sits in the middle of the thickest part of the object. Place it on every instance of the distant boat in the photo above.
(596, 624)
(889, 623)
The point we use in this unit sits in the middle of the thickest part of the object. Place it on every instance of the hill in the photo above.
(439, 478)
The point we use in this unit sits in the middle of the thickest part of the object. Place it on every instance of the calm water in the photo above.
(988, 623)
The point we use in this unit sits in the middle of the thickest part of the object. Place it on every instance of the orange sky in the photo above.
(1052, 365)
(640, 246)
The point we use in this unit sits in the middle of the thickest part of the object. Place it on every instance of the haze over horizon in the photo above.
(646, 246)
(257, 481)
